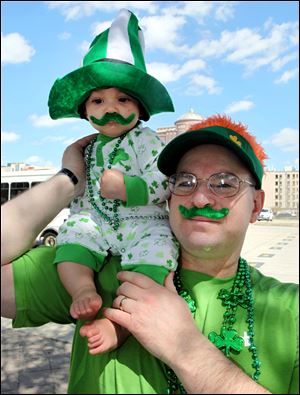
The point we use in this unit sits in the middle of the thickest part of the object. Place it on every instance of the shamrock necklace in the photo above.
(108, 206)
(228, 341)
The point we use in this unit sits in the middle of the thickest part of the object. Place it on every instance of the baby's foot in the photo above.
(103, 335)
(85, 305)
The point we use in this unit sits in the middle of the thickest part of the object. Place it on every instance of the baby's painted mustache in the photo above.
(112, 116)
(206, 211)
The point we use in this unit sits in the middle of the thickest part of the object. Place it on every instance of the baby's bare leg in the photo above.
(79, 282)
(103, 335)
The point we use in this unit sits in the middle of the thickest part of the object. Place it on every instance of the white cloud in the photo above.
(224, 10)
(280, 62)
(9, 137)
(44, 121)
(196, 9)
(251, 48)
(287, 75)
(98, 28)
(220, 10)
(37, 160)
(172, 72)
(73, 10)
(84, 47)
(242, 105)
(287, 140)
(15, 49)
(162, 32)
(200, 84)
(53, 139)
(64, 36)
(33, 159)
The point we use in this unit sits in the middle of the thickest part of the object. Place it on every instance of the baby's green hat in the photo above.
(115, 59)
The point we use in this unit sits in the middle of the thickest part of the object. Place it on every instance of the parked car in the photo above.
(266, 214)
(48, 235)
(286, 214)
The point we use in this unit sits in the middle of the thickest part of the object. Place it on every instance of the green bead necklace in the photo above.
(110, 207)
(228, 341)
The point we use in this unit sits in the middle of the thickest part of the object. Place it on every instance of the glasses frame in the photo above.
(199, 180)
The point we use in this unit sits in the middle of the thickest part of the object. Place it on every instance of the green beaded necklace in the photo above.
(228, 341)
(108, 206)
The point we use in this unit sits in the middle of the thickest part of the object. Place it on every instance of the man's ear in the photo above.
(259, 199)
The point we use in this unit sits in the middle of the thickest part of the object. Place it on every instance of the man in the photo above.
(243, 338)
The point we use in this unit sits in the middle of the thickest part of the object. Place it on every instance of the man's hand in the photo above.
(112, 185)
(157, 316)
(73, 160)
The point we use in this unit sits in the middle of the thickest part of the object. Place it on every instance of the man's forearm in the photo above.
(203, 369)
(23, 217)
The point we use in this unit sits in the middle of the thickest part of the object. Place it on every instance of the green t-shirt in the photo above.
(130, 368)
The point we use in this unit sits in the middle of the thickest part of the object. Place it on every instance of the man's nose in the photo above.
(202, 195)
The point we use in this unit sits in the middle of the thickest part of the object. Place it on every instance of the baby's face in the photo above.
(112, 100)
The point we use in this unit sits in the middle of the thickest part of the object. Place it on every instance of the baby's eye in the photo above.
(97, 101)
(124, 99)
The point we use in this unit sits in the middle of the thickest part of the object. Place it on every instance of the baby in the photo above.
(123, 210)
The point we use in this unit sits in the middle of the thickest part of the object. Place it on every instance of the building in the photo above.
(181, 125)
(282, 189)
(20, 166)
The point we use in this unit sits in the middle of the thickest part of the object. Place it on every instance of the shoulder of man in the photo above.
(286, 293)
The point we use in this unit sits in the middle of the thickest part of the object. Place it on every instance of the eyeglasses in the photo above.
(221, 184)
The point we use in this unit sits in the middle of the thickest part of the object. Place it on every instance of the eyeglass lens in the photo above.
(221, 184)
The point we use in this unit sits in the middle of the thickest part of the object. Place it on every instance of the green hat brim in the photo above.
(72, 90)
(172, 153)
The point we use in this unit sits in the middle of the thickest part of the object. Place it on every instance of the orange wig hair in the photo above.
(226, 122)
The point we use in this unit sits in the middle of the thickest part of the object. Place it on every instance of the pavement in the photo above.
(36, 360)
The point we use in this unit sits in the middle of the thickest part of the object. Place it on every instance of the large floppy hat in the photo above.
(115, 59)
(220, 130)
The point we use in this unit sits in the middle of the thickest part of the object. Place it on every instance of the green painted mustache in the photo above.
(114, 117)
(206, 211)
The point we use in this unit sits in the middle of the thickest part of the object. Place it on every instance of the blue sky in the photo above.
(238, 58)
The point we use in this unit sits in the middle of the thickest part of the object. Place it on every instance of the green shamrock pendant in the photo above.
(227, 341)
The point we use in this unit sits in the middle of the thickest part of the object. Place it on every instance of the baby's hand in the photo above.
(112, 185)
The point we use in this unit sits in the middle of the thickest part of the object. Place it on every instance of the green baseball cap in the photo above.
(115, 59)
(235, 138)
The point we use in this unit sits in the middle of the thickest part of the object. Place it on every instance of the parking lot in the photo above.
(273, 247)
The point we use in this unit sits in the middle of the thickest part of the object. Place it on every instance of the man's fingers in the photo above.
(141, 280)
(118, 316)
(169, 284)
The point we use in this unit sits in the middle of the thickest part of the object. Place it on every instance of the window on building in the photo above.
(4, 192)
(17, 188)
